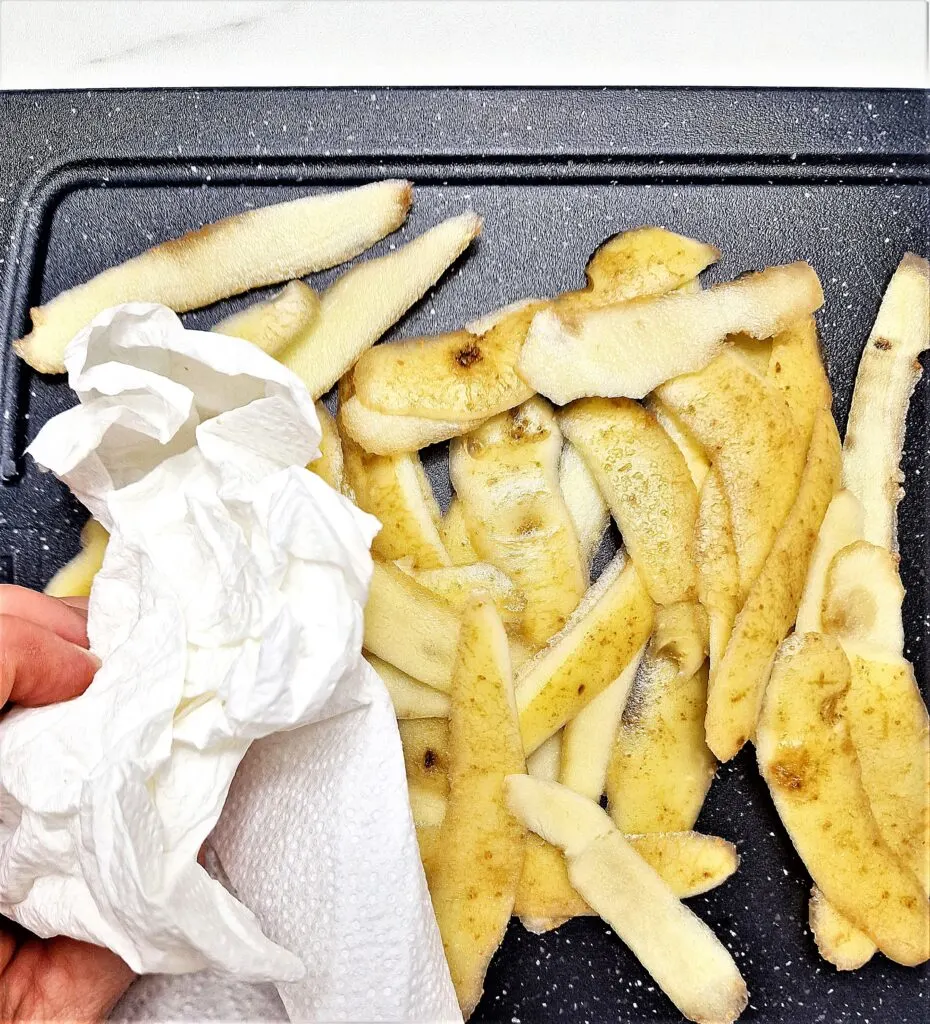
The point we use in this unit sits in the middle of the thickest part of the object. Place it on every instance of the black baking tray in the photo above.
(836, 177)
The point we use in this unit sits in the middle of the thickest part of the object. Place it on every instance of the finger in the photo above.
(62, 980)
(38, 667)
(79, 604)
(68, 622)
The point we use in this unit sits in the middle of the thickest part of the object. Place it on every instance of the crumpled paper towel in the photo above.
(229, 608)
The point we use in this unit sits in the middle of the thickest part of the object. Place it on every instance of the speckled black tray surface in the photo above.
(839, 178)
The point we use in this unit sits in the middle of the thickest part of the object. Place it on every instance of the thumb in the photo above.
(39, 667)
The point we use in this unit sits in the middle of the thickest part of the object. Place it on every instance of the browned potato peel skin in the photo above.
(737, 686)
(807, 758)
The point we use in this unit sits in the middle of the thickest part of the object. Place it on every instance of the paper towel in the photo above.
(241, 583)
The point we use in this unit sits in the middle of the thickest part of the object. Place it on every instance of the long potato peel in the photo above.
(464, 375)
(410, 627)
(717, 565)
(749, 434)
(681, 953)
(612, 622)
(272, 325)
(474, 883)
(506, 475)
(736, 687)
(628, 349)
(368, 299)
(259, 247)
(795, 367)
(587, 740)
(660, 767)
(688, 862)
(808, 759)
(395, 489)
(647, 484)
(411, 699)
(888, 373)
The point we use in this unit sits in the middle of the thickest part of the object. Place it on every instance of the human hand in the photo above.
(43, 660)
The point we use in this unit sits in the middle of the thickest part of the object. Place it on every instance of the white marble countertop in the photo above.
(104, 43)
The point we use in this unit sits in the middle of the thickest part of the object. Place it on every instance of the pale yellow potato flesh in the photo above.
(454, 532)
(586, 505)
(462, 585)
(645, 479)
(272, 325)
(546, 760)
(842, 525)
(807, 757)
(660, 767)
(255, 248)
(687, 444)
(838, 940)
(612, 622)
(888, 373)
(368, 299)
(889, 728)
(642, 261)
(862, 597)
(457, 376)
(410, 627)
(520, 653)
(481, 846)
(384, 434)
(75, 578)
(628, 349)
(425, 742)
(747, 431)
(795, 367)
(427, 807)
(736, 687)
(588, 739)
(680, 636)
(688, 862)
(717, 565)
(395, 489)
(411, 699)
(330, 466)
(461, 375)
(506, 476)
(681, 953)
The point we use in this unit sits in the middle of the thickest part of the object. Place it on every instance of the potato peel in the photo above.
(646, 482)
(888, 373)
(481, 846)
(605, 631)
(808, 759)
(681, 953)
(628, 349)
(259, 247)
(506, 475)
(365, 301)
(736, 687)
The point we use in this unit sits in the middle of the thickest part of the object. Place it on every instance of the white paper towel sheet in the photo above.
(228, 607)
(388, 963)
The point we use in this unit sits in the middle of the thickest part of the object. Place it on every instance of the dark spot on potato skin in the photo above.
(468, 355)
(429, 759)
(882, 344)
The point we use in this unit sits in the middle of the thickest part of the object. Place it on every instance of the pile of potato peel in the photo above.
(756, 596)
